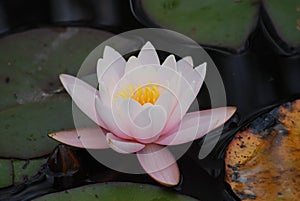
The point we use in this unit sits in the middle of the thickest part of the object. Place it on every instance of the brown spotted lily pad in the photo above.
(263, 160)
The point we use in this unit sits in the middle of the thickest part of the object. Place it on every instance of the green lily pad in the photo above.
(209, 22)
(31, 61)
(30, 104)
(6, 173)
(17, 171)
(24, 128)
(24, 169)
(116, 191)
(285, 18)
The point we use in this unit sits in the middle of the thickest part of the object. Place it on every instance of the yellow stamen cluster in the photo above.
(142, 94)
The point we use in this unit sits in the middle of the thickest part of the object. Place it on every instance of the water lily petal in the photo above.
(184, 100)
(194, 125)
(160, 164)
(196, 77)
(89, 138)
(132, 63)
(168, 101)
(189, 59)
(148, 55)
(111, 68)
(143, 123)
(83, 96)
(125, 111)
(106, 115)
(185, 64)
(170, 62)
(123, 146)
(165, 78)
(148, 124)
(187, 94)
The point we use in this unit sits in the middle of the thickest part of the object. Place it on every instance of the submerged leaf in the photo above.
(263, 161)
(116, 191)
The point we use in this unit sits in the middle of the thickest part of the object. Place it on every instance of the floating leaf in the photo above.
(6, 173)
(224, 24)
(24, 169)
(30, 104)
(31, 61)
(263, 161)
(14, 171)
(24, 128)
(116, 191)
(285, 18)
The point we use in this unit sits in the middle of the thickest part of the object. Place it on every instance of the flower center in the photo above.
(146, 94)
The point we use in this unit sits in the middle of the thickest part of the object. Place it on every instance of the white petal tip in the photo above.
(201, 69)
(63, 77)
(170, 62)
(189, 59)
(67, 80)
(201, 66)
(148, 45)
(108, 49)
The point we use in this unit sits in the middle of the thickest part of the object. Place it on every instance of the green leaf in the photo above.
(116, 191)
(285, 18)
(14, 171)
(24, 128)
(225, 23)
(31, 61)
(6, 173)
(24, 169)
(30, 105)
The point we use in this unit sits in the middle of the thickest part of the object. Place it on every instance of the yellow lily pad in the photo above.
(264, 163)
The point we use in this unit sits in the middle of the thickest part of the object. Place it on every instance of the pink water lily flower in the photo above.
(141, 107)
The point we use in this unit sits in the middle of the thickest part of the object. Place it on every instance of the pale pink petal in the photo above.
(170, 62)
(185, 65)
(194, 125)
(168, 101)
(148, 124)
(196, 77)
(123, 146)
(132, 63)
(89, 138)
(83, 96)
(166, 78)
(183, 101)
(139, 77)
(189, 59)
(125, 111)
(160, 164)
(187, 94)
(111, 68)
(148, 55)
(106, 115)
